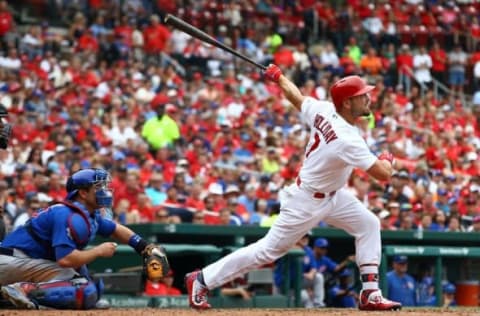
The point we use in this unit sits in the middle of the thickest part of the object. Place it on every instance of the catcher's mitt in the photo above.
(155, 262)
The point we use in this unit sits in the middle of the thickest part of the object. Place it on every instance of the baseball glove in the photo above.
(155, 262)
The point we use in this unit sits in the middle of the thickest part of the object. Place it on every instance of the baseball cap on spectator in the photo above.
(436, 172)
(159, 99)
(321, 243)
(393, 204)
(474, 188)
(403, 174)
(60, 149)
(225, 150)
(215, 188)
(417, 207)
(226, 123)
(118, 155)
(345, 273)
(452, 200)
(232, 188)
(296, 128)
(471, 156)
(449, 288)
(442, 192)
(183, 162)
(265, 178)
(44, 198)
(383, 214)
(400, 259)
(450, 177)
(77, 149)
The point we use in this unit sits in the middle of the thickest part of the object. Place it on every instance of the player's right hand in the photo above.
(106, 249)
(273, 72)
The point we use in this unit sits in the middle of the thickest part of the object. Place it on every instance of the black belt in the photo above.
(6, 251)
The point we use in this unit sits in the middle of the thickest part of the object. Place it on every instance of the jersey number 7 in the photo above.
(316, 143)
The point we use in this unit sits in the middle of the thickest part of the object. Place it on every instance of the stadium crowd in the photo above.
(191, 134)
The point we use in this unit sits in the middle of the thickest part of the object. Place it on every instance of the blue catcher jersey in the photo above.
(58, 231)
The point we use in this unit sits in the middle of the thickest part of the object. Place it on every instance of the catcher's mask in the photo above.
(85, 178)
(154, 270)
(5, 128)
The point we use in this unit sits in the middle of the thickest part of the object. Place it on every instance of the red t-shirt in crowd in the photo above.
(439, 60)
(5, 22)
(156, 37)
(160, 289)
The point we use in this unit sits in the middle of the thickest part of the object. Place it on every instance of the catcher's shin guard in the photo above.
(78, 293)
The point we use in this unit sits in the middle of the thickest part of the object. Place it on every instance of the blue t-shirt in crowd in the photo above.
(401, 288)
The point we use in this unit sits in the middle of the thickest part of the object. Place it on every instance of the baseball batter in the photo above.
(43, 263)
(319, 194)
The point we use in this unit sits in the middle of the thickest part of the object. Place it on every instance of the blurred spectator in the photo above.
(422, 64)
(457, 61)
(405, 68)
(343, 294)
(425, 287)
(162, 287)
(160, 130)
(401, 285)
(32, 205)
(475, 227)
(237, 288)
(198, 218)
(155, 189)
(439, 62)
(326, 266)
(448, 295)
(156, 37)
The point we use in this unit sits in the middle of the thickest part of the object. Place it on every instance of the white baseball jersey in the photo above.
(334, 149)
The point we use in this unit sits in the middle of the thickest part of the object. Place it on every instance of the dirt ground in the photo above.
(244, 312)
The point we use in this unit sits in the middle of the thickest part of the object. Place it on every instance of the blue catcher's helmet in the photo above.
(85, 178)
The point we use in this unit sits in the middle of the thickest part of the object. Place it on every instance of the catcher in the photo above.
(43, 263)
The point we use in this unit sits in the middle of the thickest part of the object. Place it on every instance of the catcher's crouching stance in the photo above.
(43, 263)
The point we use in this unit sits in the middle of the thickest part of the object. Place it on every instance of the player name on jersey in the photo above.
(325, 128)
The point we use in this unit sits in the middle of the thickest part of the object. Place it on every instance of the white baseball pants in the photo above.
(300, 212)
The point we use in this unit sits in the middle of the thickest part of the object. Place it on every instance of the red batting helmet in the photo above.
(348, 87)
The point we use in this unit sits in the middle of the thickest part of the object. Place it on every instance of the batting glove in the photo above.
(273, 72)
(386, 156)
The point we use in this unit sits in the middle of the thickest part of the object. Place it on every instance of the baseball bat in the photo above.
(199, 34)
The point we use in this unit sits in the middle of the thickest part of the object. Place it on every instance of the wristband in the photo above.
(386, 156)
(137, 243)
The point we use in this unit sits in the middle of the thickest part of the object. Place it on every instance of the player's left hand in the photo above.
(273, 72)
(155, 262)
